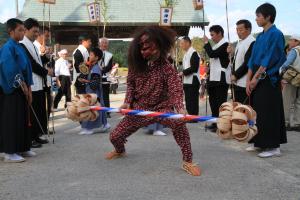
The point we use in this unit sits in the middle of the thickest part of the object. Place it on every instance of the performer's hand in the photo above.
(50, 71)
(29, 98)
(24, 88)
(205, 39)
(180, 74)
(251, 85)
(182, 111)
(233, 78)
(125, 106)
(248, 91)
(82, 80)
(43, 49)
(58, 83)
(229, 49)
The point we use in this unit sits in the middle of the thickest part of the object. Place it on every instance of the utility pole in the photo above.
(17, 7)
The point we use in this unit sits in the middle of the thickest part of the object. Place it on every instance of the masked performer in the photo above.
(153, 84)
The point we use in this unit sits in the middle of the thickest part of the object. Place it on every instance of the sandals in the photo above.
(191, 168)
(114, 155)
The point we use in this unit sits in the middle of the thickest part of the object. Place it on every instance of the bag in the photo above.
(291, 75)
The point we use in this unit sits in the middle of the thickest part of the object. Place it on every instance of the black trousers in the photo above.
(240, 94)
(217, 96)
(267, 101)
(49, 100)
(191, 93)
(14, 126)
(64, 90)
(106, 89)
(39, 107)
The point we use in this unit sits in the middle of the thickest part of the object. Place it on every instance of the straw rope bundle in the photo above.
(79, 108)
(236, 121)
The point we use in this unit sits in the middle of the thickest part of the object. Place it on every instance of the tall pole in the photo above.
(17, 7)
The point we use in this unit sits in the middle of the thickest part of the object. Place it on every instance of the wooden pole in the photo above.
(17, 7)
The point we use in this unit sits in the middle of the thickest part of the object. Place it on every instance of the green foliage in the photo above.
(169, 3)
(197, 43)
(119, 49)
(3, 34)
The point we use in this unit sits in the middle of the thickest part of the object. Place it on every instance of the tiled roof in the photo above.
(120, 12)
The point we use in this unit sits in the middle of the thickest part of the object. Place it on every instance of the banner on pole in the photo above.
(94, 12)
(166, 16)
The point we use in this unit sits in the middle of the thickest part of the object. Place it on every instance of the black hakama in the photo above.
(14, 131)
(267, 102)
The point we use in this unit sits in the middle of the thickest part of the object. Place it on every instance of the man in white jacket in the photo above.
(240, 57)
(39, 75)
(191, 83)
(219, 73)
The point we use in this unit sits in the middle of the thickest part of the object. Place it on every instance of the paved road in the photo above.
(73, 168)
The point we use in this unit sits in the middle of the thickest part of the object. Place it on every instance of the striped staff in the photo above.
(163, 115)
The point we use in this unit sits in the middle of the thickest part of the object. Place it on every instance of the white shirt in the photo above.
(188, 79)
(38, 47)
(38, 82)
(240, 52)
(216, 68)
(62, 67)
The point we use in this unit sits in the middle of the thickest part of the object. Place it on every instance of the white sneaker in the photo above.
(55, 109)
(85, 131)
(159, 133)
(252, 148)
(28, 154)
(13, 158)
(89, 132)
(106, 128)
(270, 153)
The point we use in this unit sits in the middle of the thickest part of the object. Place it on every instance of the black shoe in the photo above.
(50, 132)
(289, 128)
(42, 141)
(192, 122)
(35, 144)
(294, 128)
(212, 126)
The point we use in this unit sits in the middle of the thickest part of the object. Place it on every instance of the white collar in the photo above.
(219, 44)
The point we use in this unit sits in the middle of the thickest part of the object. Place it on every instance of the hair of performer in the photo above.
(148, 45)
(153, 84)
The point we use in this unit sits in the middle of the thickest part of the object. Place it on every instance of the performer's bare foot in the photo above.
(113, 155)
(191, 168)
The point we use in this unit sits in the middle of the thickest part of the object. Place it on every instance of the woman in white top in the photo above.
(63, 78)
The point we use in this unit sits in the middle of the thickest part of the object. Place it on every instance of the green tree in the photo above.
(3, 34)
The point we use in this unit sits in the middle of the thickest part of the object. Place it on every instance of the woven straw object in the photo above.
(79, 108)
(236, 121)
